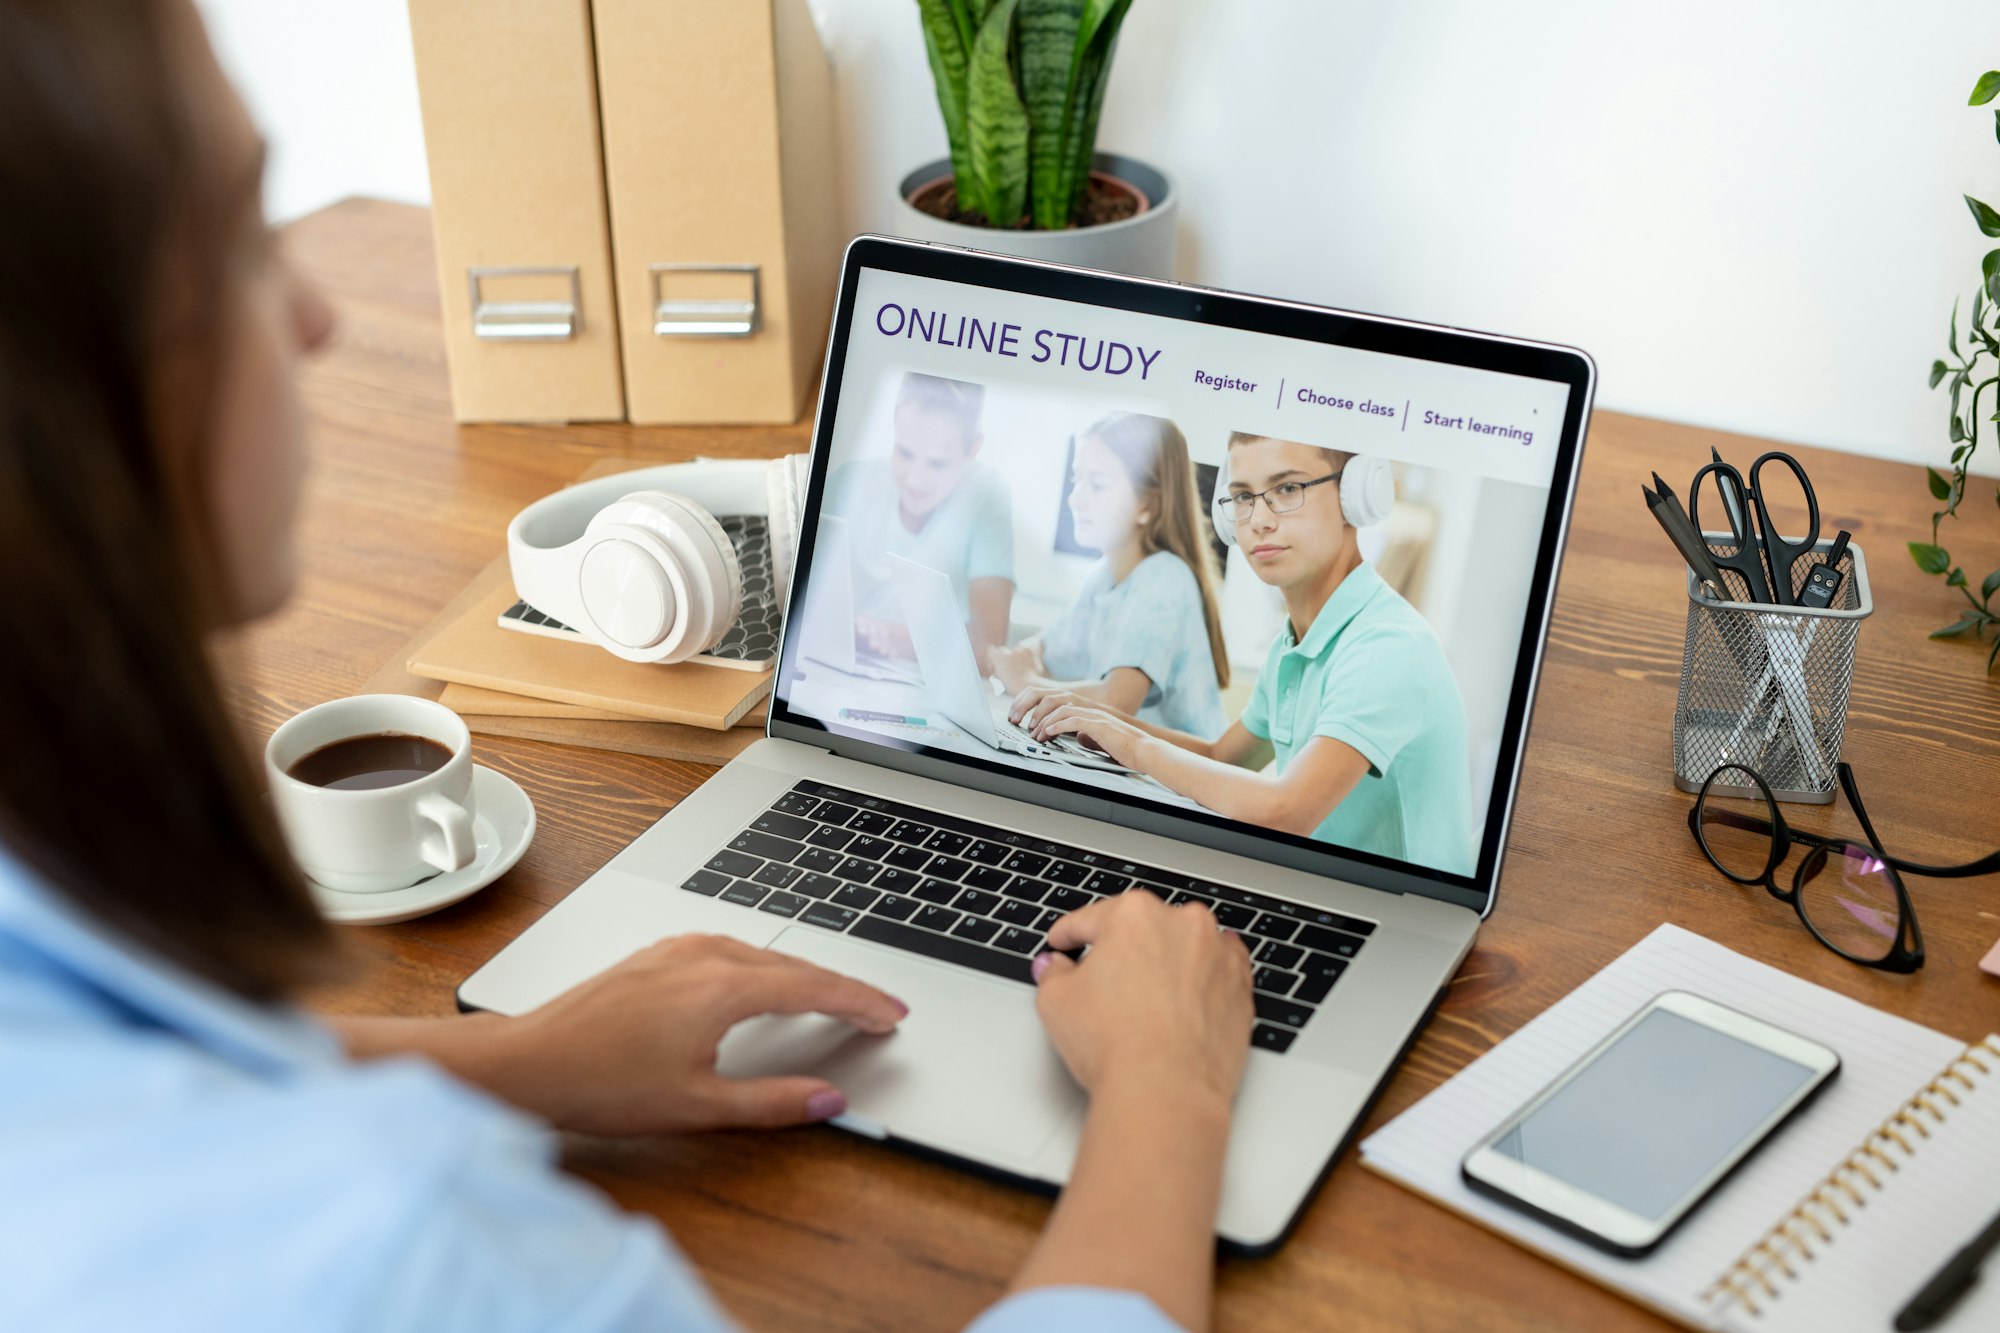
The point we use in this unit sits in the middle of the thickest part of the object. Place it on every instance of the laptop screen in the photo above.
(1254, 571)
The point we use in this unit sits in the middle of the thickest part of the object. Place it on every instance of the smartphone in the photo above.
(1630, 1140)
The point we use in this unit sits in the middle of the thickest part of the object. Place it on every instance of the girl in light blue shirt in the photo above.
(181, 1145)
(1144, 634)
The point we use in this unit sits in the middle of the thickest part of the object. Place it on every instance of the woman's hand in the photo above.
(1155, 1023)
(1034, 702)
(1161, 1001)
(1095, 725)
(885, 638)
(632, 1051)
(1017, 665)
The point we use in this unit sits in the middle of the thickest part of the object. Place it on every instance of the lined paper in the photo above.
(1871, 1266)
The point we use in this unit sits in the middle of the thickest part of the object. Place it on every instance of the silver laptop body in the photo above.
(969, 1074)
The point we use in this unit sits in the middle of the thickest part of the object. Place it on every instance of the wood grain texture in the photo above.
(812, 1229)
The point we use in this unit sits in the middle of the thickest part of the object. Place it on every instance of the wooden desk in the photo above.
(815, 1230)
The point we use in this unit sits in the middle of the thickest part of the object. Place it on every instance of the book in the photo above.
(1834, 1223)
(661, 740)
(474, 650)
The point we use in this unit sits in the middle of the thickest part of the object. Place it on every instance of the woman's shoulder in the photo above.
(1163, 574)
(335, 1195)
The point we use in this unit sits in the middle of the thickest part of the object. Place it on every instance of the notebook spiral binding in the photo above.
(1812, 1225)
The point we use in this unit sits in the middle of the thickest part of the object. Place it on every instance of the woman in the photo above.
(179, 1146)
(1144, 635)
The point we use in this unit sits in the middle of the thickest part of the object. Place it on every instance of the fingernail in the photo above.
(1039, 966)
(903, 1010)
(826, 1104)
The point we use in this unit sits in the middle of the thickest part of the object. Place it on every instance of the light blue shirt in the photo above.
(1370, 673)
(970, 535)
(1152, 620)
(173, 1157)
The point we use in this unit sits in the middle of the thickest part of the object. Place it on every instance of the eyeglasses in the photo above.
(1848, 894)
(1287, 497)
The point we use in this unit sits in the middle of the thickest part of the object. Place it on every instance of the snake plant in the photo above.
(1020, 83)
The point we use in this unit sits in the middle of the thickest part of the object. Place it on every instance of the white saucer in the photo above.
(501, 831)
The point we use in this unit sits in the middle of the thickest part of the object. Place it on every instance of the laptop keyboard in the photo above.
(975, 896)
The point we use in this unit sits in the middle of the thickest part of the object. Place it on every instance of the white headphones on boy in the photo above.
(637, 563)
(1367, 494)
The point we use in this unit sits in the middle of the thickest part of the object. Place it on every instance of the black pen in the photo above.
(1949, 1283)
(1667, 510)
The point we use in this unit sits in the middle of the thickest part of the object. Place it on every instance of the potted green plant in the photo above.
(1981, 357)
(1020, 85)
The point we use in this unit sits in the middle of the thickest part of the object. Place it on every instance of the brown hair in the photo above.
(1154, 454)
(1336, 459)
(960, 400)
(121, 781)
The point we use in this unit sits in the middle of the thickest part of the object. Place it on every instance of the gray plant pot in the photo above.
(1141, 245)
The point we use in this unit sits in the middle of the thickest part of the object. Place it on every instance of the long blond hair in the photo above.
(1154, 454)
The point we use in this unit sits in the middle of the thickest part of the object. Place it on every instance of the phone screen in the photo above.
(1654, 1113)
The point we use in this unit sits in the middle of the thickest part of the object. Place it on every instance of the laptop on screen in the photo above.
(1308, 555)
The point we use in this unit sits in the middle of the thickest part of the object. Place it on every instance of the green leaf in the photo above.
(1957, 432)
(1970, 620)
(1958, 454)
(1996, 123)
(1940, 488)
(1048, 43)
(997, 122)
(1988, 220)
(1955, 579)
(1983, 91)
(1990, 586)
(1090, 74)
(1939, 369)
(945, 42)
(1930, 559)
(1951, 338)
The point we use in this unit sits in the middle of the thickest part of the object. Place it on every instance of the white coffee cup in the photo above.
(382, 838)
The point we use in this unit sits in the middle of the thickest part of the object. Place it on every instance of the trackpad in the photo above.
(969, 1071)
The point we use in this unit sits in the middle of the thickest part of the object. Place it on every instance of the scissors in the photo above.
(1759, 547)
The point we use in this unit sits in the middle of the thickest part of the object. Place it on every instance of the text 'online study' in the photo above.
(1149, 556)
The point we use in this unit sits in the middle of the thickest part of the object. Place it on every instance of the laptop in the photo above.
(826, 620)
(933, 869)
(953, 683)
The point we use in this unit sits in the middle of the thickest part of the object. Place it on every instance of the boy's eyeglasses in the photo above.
(1847, 893)
(1287, 497)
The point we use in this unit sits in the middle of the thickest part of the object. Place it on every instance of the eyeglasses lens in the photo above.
(1847, 894)
(1737, 830)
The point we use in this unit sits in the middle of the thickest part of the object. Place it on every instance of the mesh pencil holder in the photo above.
(1766, 686)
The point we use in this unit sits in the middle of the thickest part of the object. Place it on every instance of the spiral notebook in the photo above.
(1836, 1222)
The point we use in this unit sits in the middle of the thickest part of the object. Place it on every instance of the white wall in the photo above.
(1747, 212)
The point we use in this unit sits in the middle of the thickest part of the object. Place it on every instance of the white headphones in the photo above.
(1367, 494)
(637, 561)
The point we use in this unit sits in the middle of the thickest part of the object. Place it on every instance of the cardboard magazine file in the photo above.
(508, 90)
(720, 163)
(474, 650)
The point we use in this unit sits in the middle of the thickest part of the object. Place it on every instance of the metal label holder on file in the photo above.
(525, 321)
(703, 318)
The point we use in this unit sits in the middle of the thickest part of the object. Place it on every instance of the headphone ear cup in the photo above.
(1225, 526)
(693, 554)
(1367, 490)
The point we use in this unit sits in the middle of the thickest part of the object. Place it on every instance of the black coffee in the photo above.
(362, 763)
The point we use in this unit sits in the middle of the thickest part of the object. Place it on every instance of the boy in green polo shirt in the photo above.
(1355, 702)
